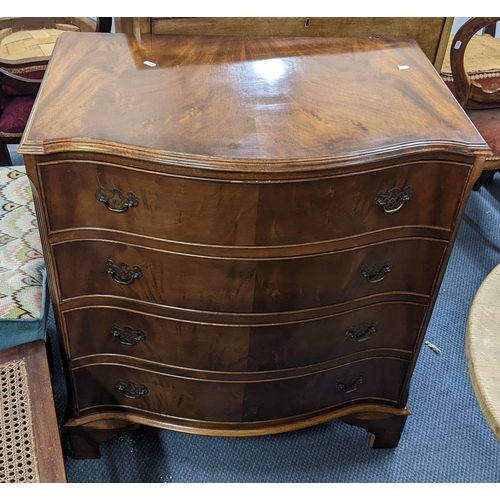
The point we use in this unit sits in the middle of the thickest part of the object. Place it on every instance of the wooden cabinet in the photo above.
(431, 33)
(244, 235)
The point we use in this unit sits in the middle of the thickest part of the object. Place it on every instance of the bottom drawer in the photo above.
(119, 387)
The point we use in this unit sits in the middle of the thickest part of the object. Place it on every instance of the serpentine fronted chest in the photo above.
(244, 235)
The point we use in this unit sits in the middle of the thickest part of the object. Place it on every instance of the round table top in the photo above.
(483, 348)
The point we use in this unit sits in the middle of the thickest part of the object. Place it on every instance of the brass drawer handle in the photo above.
(131, 390)
(126, 335)
(115, 200)
(394, 199)
(121, 272)
(375, 272)
(361, 332)
(351, 384)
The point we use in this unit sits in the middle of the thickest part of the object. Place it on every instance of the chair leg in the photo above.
(5, 160)
(484, 180)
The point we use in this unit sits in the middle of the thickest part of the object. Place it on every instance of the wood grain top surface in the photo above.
(483, 348)
(244, 99)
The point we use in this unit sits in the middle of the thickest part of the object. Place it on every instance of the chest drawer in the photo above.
(245, 285)
(243, 213)
(125, 387)
(243, 348)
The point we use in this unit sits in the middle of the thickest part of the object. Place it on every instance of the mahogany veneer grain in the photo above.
(282, 215)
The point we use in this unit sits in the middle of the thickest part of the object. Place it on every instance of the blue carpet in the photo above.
(446, 439)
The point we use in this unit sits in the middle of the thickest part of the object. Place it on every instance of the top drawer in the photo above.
(209, 211)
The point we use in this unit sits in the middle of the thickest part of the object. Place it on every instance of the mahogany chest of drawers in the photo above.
(244, 235)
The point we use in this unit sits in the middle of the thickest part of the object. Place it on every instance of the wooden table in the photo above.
(483, 348)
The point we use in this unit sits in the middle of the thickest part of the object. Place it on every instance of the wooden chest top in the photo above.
(244, 101)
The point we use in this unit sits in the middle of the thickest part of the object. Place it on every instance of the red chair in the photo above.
(23, 61)
(18, 89)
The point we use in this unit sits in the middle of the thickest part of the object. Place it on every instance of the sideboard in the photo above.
(244, 235)
(431, 33)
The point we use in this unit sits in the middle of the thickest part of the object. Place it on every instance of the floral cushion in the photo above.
(14, 116)
(31, 73)
(24, 299)
(16, 103)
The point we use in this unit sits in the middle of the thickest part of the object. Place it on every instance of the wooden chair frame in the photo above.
(466, 89)
(469, 92)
